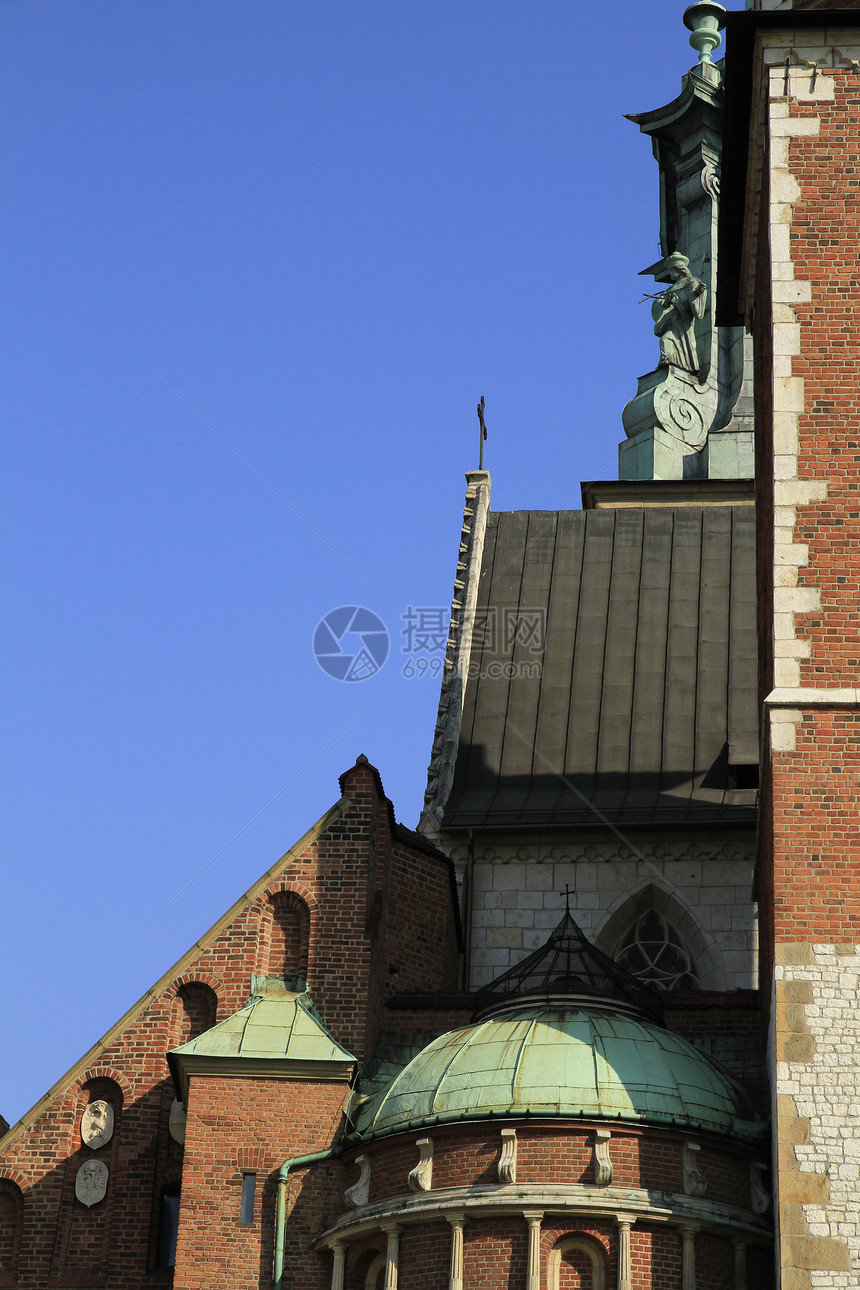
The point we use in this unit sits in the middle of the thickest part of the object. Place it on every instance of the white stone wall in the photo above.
(825, 1089)
(704, 890)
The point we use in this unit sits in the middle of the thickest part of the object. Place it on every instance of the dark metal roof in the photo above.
(569, 968)
(642, 690)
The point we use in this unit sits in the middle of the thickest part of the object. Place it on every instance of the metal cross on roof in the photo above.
(483, 433)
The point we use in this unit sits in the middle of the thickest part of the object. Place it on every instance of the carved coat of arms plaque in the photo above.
(97, 1125)
(91, 1182)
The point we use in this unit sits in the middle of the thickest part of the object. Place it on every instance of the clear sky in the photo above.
(319, 230)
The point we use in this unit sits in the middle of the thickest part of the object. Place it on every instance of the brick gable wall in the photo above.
(335, 875)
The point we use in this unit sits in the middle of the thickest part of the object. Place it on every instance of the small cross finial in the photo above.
(483, 433)
(566, 898)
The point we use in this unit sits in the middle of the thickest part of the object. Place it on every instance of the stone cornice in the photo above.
(616, 1203)
(813, 697)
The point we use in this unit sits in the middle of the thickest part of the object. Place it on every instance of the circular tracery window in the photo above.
(653, 951)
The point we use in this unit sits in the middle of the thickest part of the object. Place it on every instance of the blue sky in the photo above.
(327, 228)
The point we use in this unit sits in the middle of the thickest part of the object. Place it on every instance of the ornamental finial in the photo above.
(705, 22)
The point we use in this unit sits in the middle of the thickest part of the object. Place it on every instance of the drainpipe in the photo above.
(295, 1162)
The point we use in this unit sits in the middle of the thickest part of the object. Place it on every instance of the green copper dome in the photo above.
(564, 1061)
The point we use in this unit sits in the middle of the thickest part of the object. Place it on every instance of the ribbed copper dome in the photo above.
(550, 1061)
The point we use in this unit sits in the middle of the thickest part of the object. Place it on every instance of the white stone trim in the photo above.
(392, 1254)
(814, 697)
(534, 1218)
(688, 1256)
(788, 391)
(457, 1221)
(338, 1249)
(507, 1165)
(612, 1203)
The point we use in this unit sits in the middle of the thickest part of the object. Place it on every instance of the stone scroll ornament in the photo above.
(421, 1177)
(694, 1180)
(507, 1166)
(91, 1182)
(602, 1160)
(359, 1193)
(97, 1125)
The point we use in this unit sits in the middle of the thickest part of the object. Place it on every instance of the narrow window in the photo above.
(249, 1187)
(168, 1227)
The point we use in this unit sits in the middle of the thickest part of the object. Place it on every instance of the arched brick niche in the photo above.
(285, 936)
(194, 1010)
(576, 1263)
(11, 1230)
(102, 1125)
(85, 1234)
(366, 1265)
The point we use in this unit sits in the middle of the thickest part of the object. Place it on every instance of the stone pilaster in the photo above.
(534, 1218)
(392, 1255)
(458, 1223)
(338, 1251)
(625, 1266)
(688, 1256)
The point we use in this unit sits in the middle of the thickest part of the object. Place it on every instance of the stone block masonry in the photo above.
(703, 887)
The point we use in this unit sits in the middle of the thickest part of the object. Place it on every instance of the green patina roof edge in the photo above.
(323, 1059)
(750, 1132)
(294, 1002)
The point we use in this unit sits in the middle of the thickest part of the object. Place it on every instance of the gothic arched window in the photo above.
(653, 951)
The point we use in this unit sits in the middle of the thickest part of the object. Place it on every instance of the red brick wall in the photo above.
(283, 1119)
(576, 1271)
(655, 1256)
(468, 1155)
(825, 232)
(429, 1021)
(425, 1256)
(808, 880)
(816, 830)
(715, 1262)
(495, 1254)
(359, 1258)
